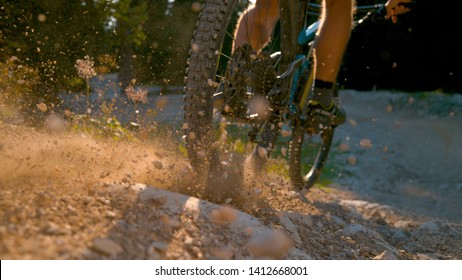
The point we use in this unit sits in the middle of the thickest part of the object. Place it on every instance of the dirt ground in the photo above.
(392, 190)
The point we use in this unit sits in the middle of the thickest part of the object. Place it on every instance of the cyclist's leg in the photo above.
(256, 24)
(330, 45)
(333, 35)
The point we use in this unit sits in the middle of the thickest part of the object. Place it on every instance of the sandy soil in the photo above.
(394, 191)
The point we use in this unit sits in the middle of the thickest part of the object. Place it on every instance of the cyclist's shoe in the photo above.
(323, 117)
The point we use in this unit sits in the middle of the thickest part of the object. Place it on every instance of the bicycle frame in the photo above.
(304, 41)
(285, 82)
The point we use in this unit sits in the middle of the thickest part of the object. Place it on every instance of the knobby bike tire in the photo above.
(308, 150)
(198, 108)
(212, 29)
(300, 178)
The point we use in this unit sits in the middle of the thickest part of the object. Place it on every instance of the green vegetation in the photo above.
(106, 126)
(41, 42)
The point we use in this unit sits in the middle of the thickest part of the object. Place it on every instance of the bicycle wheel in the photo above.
(308, 152)
(226, 105)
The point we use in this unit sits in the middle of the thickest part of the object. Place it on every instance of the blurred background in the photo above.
(419, 53)
(148, 41)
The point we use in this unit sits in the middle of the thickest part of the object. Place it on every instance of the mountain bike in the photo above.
(253, 105)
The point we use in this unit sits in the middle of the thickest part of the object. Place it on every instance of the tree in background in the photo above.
(169, 31)
(143, 40)
(129, 20)
(49, 36)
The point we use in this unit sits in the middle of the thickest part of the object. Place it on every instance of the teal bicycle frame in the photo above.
(303, 62)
